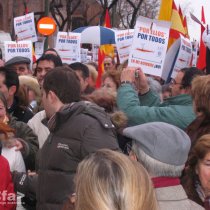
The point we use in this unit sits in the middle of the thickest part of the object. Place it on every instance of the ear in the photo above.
(132, 156)
(12, 90)
(51, 96)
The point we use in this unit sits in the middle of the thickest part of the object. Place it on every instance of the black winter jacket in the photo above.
(79, 130)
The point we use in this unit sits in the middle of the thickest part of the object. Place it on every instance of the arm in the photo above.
(29, 141)
(128, 102)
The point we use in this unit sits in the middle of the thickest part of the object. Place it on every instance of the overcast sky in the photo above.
(194, 6)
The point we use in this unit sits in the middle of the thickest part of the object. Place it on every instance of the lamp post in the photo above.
(46, 14)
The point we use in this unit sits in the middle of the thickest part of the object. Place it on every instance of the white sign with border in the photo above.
(149, 45)
(25, 27)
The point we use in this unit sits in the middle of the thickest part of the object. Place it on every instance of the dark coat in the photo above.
(21, 113)
(79, 130)
(29, 140)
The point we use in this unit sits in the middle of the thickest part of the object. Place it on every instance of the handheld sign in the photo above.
(123, 41)
(25, 27)
(46, 26)
(68, 47)
(149, 45)
(22, 48)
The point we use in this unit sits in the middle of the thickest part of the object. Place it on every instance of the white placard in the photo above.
(149, 45)
(25, 27)
(95, 49)
(68, 46)
(39, 46)
(22, 48)
(123, 41)
(184, 56)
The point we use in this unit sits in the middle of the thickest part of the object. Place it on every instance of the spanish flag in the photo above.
(169, 12)
(104, 50)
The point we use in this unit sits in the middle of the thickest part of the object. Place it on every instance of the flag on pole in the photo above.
(169, 12)
(104, 50)
(202, 52)
(181, 14)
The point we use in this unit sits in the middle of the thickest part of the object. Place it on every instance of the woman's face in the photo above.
(2, 111)
(109, 83)
(203, 172)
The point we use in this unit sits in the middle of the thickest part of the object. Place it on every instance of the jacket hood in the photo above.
(87, 108)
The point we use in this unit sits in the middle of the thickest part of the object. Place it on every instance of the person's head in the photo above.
(9, 84)
(93, 74)
(111, 80)
(61, 86)
(198, 163)
(19, 64)
(181, 84)
(110, 180)
(109, 63)
(82, 72)
(200, 92)
(44, 64)
(51, 51)
(3, 107)
(160, 147)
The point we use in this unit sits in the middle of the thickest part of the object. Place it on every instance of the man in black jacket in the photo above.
(77, 128)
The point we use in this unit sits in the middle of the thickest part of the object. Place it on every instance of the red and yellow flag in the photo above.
(104, 50)
(169, 12)
(201, 64)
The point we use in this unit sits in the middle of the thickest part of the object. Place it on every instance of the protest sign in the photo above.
(68, 46)
(22, 48)
(39, 47)
(123, 40)
(25, 27)
(149, 45)
(95, 49)
(184, 56)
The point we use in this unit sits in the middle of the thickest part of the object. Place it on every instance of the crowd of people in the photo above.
(134, 143)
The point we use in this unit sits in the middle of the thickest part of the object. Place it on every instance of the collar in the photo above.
(182, 99)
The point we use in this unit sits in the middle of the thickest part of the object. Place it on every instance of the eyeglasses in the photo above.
(173, 82)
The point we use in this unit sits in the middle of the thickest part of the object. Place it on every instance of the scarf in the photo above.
(159, 182)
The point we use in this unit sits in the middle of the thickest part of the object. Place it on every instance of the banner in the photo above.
(149, 45)
(95, 48)
(123, 41)
(184, 56)
(68, 47)
(25, 27)
(22, 48)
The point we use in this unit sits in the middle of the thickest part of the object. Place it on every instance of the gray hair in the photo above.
(154, 167)
(154, 85)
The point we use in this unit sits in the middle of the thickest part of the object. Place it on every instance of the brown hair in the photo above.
(110, 180)
(5, 129)
(114, 75)
(201, 94)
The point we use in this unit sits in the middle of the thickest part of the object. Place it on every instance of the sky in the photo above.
(194, 6)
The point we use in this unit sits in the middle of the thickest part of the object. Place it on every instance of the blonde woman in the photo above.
(109, 180)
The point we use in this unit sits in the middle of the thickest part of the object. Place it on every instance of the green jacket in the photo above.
(177, 110)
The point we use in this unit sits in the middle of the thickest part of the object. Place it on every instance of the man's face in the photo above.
(42, 68)
(176, 84)
(83, 82)
(3, 87)
(108, 65)
(21, 69)
(47, 104)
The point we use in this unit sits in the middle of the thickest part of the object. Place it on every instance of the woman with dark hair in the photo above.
(196, 180)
